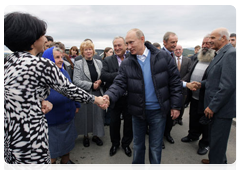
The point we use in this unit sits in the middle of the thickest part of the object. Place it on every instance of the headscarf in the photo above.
(49, 55)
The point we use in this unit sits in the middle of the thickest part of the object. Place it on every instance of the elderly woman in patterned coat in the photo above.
(27, 81)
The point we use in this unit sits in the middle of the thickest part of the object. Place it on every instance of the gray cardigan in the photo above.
(81, 74)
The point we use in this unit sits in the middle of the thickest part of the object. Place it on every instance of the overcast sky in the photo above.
(72, 24)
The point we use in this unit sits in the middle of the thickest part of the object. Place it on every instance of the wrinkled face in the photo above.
(58, 57)
(233, 41)
(47, 44)
(171, 44)
(73, 52)
(178, 51)
(109, 53)
(134, 44)
(205, 45)
(216, 41)
(88, 53)
(119, 47)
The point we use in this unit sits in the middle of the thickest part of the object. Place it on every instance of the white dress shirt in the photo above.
(144, 55)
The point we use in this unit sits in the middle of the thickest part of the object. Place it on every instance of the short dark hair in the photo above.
(49, 38)
(21, 30)
(156, 44)
(233, 35)
(88, 39)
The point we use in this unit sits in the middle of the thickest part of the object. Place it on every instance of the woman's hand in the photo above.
(46, 106)
(97, 84)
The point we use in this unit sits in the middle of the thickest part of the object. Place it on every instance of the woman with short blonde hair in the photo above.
(86, 75)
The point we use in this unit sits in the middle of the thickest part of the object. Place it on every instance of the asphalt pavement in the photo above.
(177, 153)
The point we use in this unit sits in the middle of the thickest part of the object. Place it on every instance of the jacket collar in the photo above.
(86, 69)
(219, 56)
(153, 50)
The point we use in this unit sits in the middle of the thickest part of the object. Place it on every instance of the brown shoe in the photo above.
(205, 161)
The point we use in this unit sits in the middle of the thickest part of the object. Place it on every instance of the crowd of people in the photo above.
(51, 97)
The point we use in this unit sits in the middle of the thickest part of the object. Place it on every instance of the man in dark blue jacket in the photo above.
(153, 83)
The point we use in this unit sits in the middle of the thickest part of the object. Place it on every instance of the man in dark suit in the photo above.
(220, 94)
(196, 111)
(170, 40)
(183, 64)
(109, 72)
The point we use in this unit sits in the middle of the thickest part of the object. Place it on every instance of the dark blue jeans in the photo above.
(156, 122)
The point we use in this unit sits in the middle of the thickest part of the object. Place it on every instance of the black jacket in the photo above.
(110, 70)
(166, 81)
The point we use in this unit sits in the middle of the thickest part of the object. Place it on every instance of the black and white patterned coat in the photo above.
(27, 81)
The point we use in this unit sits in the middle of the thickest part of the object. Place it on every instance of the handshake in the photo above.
(194, 85)
(102, 101)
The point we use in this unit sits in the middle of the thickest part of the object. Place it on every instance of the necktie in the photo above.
(172, 54)
(179, 63)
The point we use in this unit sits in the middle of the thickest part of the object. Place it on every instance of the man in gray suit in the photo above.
(219, 82)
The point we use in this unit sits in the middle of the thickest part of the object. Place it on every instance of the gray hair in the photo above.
(166, 35)
(117, 37)
(57, 49)
(58, 44)
(224, 32)
(207, 36)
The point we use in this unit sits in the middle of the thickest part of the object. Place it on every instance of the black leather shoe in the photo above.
(163, 145)
(187, 139)
(127, 151)
(169, 139)
(97, 140)
(113, 150)
(180, 122)
(69, 165)
(86, 142)
(202, 150)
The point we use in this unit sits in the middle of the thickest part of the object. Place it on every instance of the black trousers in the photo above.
(195, 128)
(115, 124)
(219, 133)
